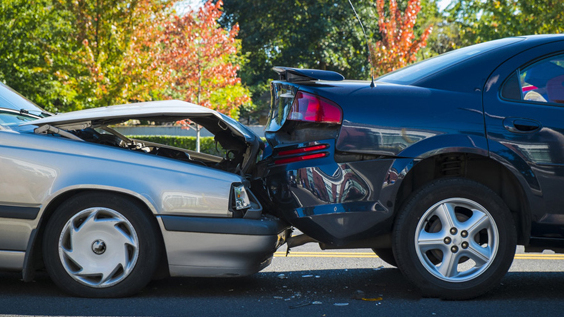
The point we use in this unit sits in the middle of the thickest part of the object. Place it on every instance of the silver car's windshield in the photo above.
(10, 99)
(10, 120)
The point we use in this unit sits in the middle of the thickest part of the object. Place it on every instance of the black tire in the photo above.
(134, 243)
(386, 255)
(487, 248)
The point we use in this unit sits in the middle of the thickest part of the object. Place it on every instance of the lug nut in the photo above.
(464, 233)
(448, 240)
(453, 230)
(464, 245)
(454, 249)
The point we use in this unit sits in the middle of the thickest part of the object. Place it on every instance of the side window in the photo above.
(541, 82)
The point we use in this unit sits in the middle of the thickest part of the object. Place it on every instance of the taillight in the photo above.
(303, 154)
(311, 108)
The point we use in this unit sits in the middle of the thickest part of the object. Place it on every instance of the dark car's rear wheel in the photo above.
(454, 239)
(100, 245)
(386, 255)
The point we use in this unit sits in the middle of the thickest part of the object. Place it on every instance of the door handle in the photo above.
(520, 125)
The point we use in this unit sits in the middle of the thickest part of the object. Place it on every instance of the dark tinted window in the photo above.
(541, 82)
(512, 88)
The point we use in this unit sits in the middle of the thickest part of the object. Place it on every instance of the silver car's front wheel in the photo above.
(98, 247)
(101, 244)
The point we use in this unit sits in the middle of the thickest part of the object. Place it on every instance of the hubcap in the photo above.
(98, 247)
(456, 240)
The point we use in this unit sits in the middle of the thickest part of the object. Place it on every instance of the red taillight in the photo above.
(303, 150)
(311, 108)
(300, 158)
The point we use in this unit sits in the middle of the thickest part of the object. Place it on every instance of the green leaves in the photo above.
(481, 21)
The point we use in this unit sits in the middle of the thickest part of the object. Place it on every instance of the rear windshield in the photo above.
(411, 74)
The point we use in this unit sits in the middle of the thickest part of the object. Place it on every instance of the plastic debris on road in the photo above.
(341, 304)
(376, 299)
(307, 275)
(282, 276)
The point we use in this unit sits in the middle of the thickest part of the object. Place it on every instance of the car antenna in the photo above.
(367, 45)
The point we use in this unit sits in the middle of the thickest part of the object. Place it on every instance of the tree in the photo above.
(481, 21)
(203, 62)
(397, 48)
(34, 47)
(116, 60)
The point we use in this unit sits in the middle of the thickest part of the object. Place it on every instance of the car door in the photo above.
(524, 115)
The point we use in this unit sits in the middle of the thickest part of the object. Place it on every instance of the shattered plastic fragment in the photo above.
(378, 268)
(341, 304)
(316, 302)
(317, 276)
(376, 299)
(282, 276)
(308, 275)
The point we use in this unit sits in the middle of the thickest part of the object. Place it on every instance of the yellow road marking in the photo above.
(301, 254)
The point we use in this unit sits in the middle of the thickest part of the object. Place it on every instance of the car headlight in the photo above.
(241, 198)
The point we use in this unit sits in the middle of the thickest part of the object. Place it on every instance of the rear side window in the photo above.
(540, 82)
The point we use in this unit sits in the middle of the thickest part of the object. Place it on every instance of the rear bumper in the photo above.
(335, 203)
(215, 247)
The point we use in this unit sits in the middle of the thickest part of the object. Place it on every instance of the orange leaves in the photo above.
(202, 59)
(397, 48)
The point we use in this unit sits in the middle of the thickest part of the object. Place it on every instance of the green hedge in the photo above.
(207, 144)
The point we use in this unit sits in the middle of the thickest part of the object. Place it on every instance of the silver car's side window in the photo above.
(541, 82)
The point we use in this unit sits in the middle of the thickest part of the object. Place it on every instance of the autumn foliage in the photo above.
(397, 48)
(116, 60)
(202, 60)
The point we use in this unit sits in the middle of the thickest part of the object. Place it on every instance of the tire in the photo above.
(386, 255)
(101, 245)
(454, 239)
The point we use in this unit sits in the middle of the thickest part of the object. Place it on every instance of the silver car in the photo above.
(104, 213)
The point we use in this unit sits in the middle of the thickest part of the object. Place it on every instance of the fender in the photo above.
(459, 143)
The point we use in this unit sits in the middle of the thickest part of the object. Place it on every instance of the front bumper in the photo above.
(220, 247)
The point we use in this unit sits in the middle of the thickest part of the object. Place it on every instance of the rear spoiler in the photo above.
(290, 74)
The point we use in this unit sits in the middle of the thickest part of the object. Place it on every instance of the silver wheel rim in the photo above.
(98, 247)
(456, 240)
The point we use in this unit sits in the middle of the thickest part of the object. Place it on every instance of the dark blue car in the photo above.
(441, 168)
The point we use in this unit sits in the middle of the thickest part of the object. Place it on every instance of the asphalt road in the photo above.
(310, 282)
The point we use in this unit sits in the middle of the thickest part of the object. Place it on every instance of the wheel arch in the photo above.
(34, 254)
(477, 167)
